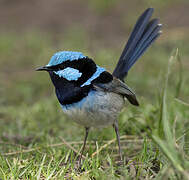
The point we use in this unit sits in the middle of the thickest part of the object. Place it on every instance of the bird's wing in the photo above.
(118, 87)
(143, 35)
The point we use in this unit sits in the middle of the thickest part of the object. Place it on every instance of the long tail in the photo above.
(144, 34)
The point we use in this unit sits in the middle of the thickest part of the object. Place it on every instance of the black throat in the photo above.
(68, 92)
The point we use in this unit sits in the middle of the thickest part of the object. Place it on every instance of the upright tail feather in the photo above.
(143, 35)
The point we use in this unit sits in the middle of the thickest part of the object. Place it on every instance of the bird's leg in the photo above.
(84, 143)
(115, 125)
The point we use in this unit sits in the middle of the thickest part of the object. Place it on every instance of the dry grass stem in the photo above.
(124, 140)
(71, 147)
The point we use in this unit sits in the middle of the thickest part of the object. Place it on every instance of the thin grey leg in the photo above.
(115, 125)
(84, 143)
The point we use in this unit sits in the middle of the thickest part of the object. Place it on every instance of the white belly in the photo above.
(98, 109)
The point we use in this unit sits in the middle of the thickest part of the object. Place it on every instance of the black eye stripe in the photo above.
(85, 65)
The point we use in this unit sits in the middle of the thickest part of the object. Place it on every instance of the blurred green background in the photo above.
(31, 31)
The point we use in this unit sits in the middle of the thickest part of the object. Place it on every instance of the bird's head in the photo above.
(70, 66)
(61, 63)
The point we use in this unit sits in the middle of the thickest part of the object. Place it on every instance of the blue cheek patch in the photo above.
(69, 74)
(63, 56)
(99, 70)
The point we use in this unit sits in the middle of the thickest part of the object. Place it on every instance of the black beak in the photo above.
(44, 68)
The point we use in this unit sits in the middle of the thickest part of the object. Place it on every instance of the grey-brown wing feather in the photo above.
(118, 87)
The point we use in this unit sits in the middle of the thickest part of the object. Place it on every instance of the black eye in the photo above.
(61, 66)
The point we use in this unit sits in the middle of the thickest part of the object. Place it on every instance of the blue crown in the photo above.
(63, 56)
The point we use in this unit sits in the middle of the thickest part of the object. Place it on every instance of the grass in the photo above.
(35, 136)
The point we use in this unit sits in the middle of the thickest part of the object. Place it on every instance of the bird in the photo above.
(89, 94)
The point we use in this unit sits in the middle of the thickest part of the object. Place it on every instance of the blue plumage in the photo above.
(148, 37)
(63, 56)
(69, 74)
(79, 105)
(88, 93)
(144, 34)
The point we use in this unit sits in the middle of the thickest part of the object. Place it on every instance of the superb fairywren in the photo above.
(90, 95)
